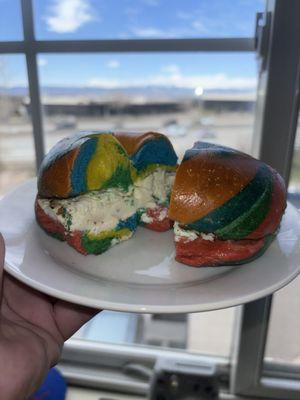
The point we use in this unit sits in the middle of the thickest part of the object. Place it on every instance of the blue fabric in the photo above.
(53, 388)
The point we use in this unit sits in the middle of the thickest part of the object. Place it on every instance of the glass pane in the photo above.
(197, 332)
(294, 184)
(16, 140)
(10, 20)
(187, 96)
(93, 19)
(211, 332)
(283, 339)
(190, 97)
(283, 342)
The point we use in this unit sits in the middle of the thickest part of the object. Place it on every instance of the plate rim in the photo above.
(125, 307)
(152, 309)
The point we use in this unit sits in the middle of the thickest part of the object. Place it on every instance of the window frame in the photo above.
(119, 367)
(277, 110)
(246, 372)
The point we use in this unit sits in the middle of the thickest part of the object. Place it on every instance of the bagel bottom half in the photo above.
(203, 252)
(84, 241)
(246, 244)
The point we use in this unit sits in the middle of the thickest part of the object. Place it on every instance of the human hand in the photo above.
(33, 328)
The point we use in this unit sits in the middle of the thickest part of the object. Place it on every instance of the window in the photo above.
(16, 140)
(190, 96)
(276, 123)
(294, 183)
(144, 19)
(200, 81)
(283, 340)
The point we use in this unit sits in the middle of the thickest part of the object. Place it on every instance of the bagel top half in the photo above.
(228, 193)
(99, 160)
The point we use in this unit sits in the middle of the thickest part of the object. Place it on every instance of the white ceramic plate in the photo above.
(139, 275)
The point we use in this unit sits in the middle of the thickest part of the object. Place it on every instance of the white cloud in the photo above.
(147, 32)
(68, 15)
(113, 64)
(199, 26)
(215, 81)
(171, 69)
(42, 62)
(196, 22)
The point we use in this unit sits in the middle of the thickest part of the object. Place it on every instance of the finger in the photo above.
(70, 317)
(2, 251)
(2, 256)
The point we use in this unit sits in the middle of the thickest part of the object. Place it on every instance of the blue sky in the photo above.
(90, 19)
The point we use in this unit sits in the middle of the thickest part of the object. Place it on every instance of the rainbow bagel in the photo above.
(148, 150)
(85, 175)
(84, 162)
(96, 187)
(226, 204)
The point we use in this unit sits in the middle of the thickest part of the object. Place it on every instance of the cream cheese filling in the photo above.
(154, 188)
(99, 211)
(92, 211)
(190, 234)
(146, 218)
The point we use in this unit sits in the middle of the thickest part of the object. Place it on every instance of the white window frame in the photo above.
(276, 116)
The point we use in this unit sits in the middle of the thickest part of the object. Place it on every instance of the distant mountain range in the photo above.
(145, 91)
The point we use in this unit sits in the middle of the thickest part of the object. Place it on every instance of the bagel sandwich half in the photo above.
(227, 206)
